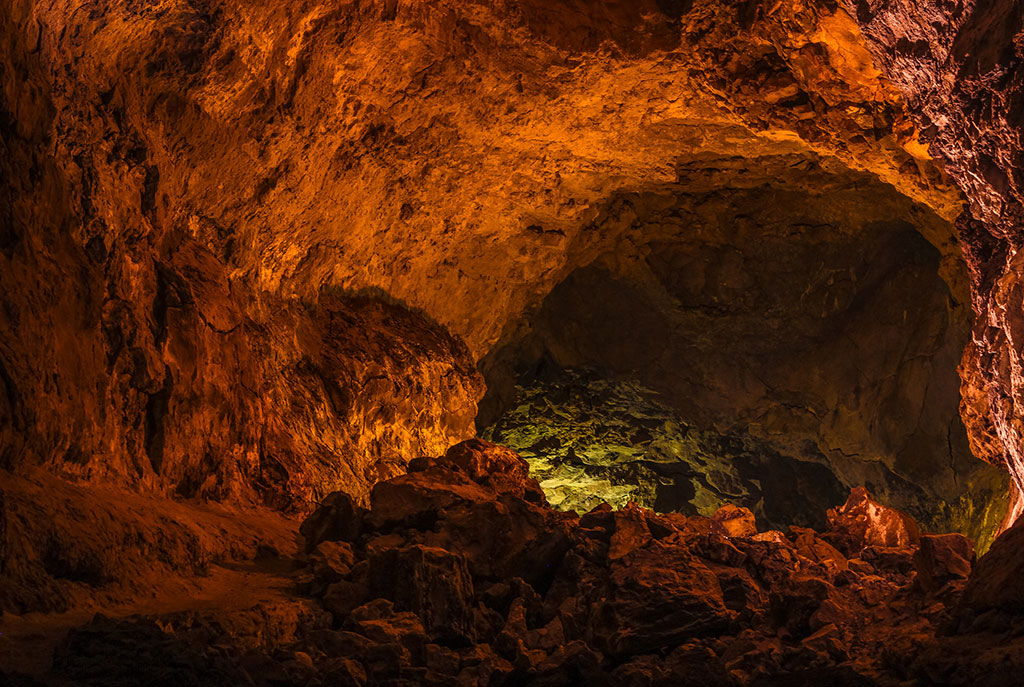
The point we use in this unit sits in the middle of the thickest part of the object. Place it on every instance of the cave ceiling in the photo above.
(702, 270)
(207, 197)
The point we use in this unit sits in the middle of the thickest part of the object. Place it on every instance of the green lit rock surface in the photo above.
(590, 439)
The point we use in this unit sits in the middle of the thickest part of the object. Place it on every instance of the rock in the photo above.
(875, 590)
(417, 499)
(330, 561)
(863, 522)
(137, 651)
(860, 566)
(893, 559)
(997, 581)
(630, 531)
(827, 641)
(749, 656)
(403, 629)
(771, 562)
(734, 521)
(494, 466)
(771, 535)
(720, 549)
(811, 546)
(345, 672)
(337, 519)
(442, 659)
(795, 602)
(432, 583)
(661, 596)
(740, 592)
(599, 517)
(833, 611)
(504, 538)
(980, 146)
(573, 663)
(342, 597)
(687, 664)
(941, 559)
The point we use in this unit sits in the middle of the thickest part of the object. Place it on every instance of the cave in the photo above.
(432, 342)
(770, 342)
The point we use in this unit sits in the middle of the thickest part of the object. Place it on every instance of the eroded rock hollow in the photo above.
(731, 286)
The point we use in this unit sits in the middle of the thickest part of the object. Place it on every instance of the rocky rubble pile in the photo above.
(460, 574)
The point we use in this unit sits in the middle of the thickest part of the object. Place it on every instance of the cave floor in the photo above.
(28, 642)
(460, 573)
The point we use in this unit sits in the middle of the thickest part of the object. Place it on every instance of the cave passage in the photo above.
(771, 345)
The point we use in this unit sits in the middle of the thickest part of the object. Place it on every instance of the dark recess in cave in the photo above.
(806, 342)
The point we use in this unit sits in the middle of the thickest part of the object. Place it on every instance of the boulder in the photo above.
(630, 531)
(338, 518)
(661, 596)
(504, 538)
(827, 643)
(432, 583)
(941, 559)
(494, 466)
(890, 559)
(809, 545)
(862, 522)
(416, 499)
(796, 600)
(734, 521)
(342, 597)
(330, 561)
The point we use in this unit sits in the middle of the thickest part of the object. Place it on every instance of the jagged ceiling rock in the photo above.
(417, 146)
(185, 173)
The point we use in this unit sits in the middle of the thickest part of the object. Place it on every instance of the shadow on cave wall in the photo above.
(790, 344)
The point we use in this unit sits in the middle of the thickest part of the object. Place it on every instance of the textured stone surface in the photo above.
(65, 546)
(631, 598)
(962, 70)
(590, 440)
(862, 522)
(182, 174)
(252, 252)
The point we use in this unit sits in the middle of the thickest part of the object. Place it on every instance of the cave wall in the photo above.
(188, 177)
(961, 68)
(134, 351)
(370, 145)
(803, 313)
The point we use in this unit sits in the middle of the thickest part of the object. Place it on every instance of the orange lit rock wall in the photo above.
(188, 177)
(962, 70)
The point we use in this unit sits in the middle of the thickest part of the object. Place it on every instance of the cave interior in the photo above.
(431, 342)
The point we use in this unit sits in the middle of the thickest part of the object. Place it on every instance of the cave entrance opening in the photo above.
(770, 344)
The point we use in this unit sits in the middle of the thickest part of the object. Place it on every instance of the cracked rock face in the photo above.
(266, 251)
(962, 70)
(791, 308)
(197, 189)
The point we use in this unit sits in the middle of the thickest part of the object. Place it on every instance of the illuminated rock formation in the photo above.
(963, 75)
(264, 258)
(466, 582)
(182, 175)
